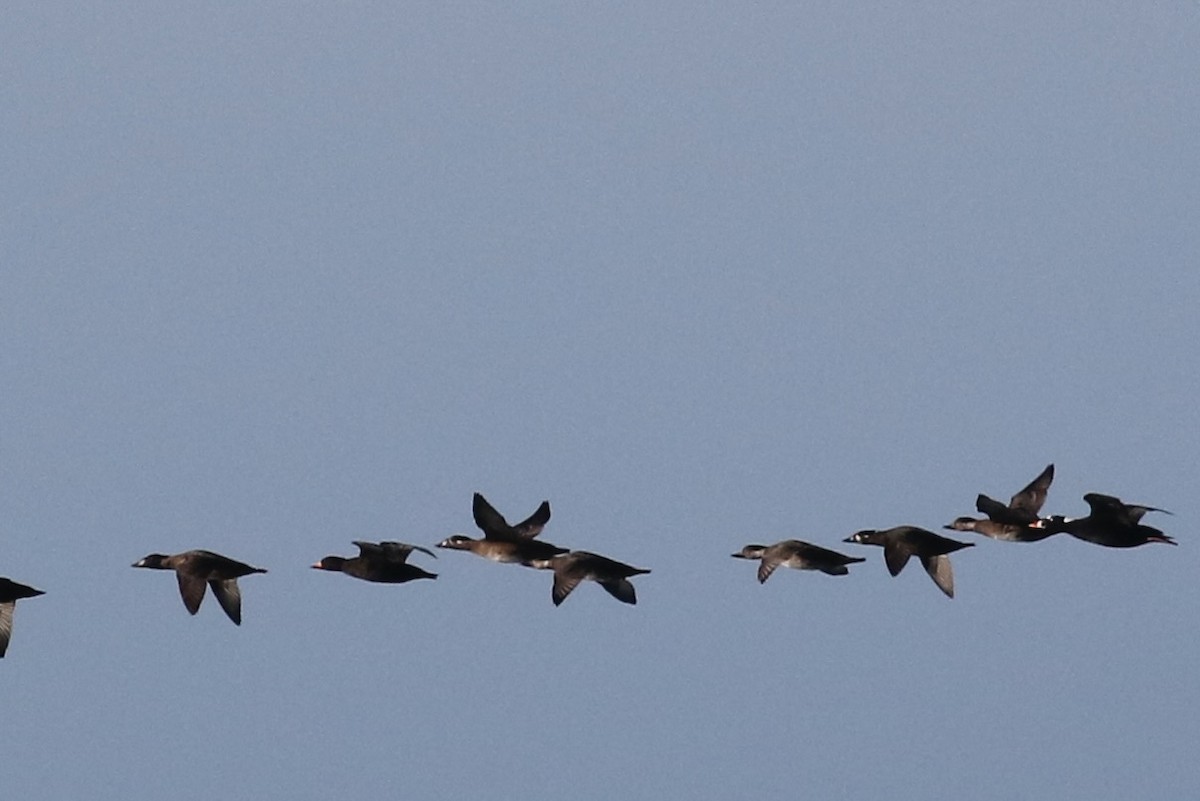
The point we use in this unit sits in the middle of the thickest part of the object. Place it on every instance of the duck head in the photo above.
(457, 542)
(155, 561)
(868, 536)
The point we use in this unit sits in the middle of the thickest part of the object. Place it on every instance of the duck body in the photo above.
(903, 542)
(197, 569)
(575, 566)
(1008, 521)
(1005, 532)
(522, 552)
(379, 562)
(10, 593)
(798, 555)
(1022, 508)
(1111, 523)
(1083, 528)
(502, 542)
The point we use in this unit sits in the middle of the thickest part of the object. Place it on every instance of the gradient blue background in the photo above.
(280, 276)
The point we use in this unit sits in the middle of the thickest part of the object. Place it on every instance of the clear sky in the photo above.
(278, 276)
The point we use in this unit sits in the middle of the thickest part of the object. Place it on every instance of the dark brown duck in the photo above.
(1111, 523)
(382, 562)
(576, 566)
(902, 542)
(196, 569)
(1023, 508)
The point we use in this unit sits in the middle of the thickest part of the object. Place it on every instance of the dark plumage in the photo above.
(799, 555)
(576, 566)
(502, 542)
(1021, 510)
(195, 569)
(495, 527)
(1109, 506)
(1111, 523)
(10, 593)
(1007, 532)
(902, 542)
(383, 562)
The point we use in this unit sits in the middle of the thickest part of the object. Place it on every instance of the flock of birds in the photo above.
(1111, 523)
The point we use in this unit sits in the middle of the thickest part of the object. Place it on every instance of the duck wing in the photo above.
(1030, 499)
(1137, 511)
(6, 618)
(621, 589)
(495, 527)
(1003, 513)
(191, 589)
(1111, 509)
(1000, 512)
(490, 522)
(939, 569)
(767, 565)
(533, 525)
(401, 550)
(229, 596)
(896, 556)
(389, 551)
(563, 584)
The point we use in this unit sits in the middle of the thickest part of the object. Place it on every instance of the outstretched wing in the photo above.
(621, 589)
(490, 522)
(1030, 499)
(896, 557)
(401, 550)
(992, 508)
(495, 527)
(939, 569)
(6, 617)
(1113, 509)
(767, 566)
(191, 589)
(1002, 512)
(230, 597)
(1136, 511)
(563, 584)
(390, 551)
(533, 525)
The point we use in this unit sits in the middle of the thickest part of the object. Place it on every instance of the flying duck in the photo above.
(1021, 511)
(1111, 523)
(383, 562)
(195, 569)
(902, 542)
(502, 542)
(1007, 532)
(799, 555)
(576, 566)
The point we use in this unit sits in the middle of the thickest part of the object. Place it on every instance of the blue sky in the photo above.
(281, 277)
